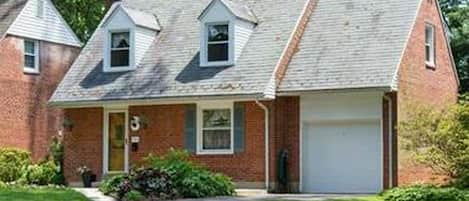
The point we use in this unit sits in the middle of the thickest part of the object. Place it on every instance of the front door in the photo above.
(116, 138)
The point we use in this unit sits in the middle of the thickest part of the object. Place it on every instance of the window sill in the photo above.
(31, 71)
(430, 66)
(118, 69)
(216, 64)
(220, 152)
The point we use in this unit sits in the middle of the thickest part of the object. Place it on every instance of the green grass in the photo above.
(40, 194)
(372, 198)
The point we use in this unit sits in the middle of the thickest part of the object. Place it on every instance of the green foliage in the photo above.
(13, 162)
(42, 174)
(439, 139)
(425, 193)
(170, 176)
(192, 180)
(83, 16)
(111, 184)
(39, 193)
(456, 13)
(134, 196)
(56, 151)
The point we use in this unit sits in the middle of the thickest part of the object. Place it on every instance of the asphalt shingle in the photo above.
(170, 67)
(9, 10)
(351, 44)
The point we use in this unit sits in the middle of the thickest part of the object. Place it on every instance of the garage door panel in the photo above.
(342, 157)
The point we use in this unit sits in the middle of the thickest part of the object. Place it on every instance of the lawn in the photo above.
(42, 194)
(372, 198)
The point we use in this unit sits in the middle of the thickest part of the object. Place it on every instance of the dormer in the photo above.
(225, 28)
(128, 35)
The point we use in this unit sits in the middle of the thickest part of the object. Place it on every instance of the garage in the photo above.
(341, 143)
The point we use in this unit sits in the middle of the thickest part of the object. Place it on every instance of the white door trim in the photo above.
(106, 142)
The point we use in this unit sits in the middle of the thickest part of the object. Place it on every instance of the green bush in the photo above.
(191, 179)
(134, 196)
(111, 184)
(42, 174)
(13, 163)
(425, 193)
(167, 177)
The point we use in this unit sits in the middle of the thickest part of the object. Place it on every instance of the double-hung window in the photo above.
(429, 45)
(31, 56)
(218, 43)
(216, 130)
(120, 50)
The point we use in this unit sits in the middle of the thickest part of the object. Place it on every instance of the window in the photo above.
(120, 49)
(40, 9)
(31, 56)
(430, 45)
(216, 130)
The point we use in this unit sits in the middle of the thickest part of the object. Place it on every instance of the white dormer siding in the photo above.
(140, 37)
(46, 24)
(217, 13)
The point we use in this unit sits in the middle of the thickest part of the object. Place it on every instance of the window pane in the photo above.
(217, 139)
(218, 52)
(29, 61)
(427, 53)
(29, 47)
(217, 118)
(119, 58)
(217, 33)
(120, 40)
(428, 34)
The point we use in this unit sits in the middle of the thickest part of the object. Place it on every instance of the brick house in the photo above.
(36, 49)
(236, 82)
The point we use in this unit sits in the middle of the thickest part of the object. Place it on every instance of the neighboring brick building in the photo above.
(238, 82)
(34, 58)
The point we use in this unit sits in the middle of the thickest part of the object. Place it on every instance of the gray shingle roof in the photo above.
(351, 44)
(240, 10)
(9, 10)
(142, 19)
(171, 65)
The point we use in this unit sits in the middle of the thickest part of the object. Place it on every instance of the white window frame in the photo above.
(213, 106)
(36, 68)
(40, 8)
(108, 49)
(204, 45)
(431, 45)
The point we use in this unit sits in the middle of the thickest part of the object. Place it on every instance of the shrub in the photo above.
(439, 139)
(191, 179)
(111, 184)
(13, 162)
(153, 183)
(425, 193)
(134, 196)
(56, 151)
(42, 174)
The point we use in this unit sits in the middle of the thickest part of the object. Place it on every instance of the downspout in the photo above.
(266, 136)
(390, 144)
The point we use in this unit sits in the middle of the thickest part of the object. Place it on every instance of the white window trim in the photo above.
(430, 63)
(204, 45)
(107, 55)
(214, 105)
(36, 68)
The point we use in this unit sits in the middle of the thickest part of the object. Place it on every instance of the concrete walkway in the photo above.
(242, 195)
(94, 194)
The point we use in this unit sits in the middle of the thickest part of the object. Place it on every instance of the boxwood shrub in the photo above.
(13, 163)
(426, 193)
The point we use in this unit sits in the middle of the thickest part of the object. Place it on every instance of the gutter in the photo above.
(390, 143)
(266, 136)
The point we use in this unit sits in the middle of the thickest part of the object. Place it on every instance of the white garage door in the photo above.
(342, 157)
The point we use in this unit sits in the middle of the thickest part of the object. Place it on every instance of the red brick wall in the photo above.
(421, 85)
(165, 130)
(83, 143)
(26, 121)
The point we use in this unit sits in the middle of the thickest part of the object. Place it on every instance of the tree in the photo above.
(439, 139)
(456, 13)
(83, 16)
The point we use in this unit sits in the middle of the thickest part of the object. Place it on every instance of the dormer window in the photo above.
(225, 28)
(218, 46)
(120, 49)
